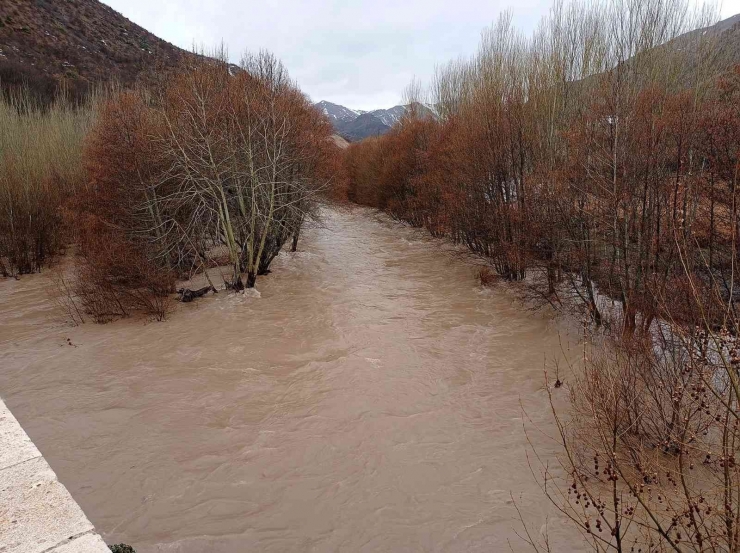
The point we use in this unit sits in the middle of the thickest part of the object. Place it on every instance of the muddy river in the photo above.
(370, 400)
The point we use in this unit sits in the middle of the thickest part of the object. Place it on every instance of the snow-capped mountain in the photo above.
(355, 125)
(338, 114)
(390, 116)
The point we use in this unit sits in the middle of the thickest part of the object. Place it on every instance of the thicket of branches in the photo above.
(650, 445)
(219, 165)
(218, 162)
(581, 160)
(596, 163)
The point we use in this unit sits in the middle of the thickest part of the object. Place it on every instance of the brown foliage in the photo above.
(115, 276)
(120, 268)
(601, 171)
(622, 215)
(487, 277)
(219, 166)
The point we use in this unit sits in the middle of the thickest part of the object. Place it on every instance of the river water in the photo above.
(371, 399)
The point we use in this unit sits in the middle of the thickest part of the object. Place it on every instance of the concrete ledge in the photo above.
(37, 513)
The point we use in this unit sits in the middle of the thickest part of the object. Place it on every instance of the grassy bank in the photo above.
(40, 169)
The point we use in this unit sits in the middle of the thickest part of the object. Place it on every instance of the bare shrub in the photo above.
(63, 295)
(577, 160)
(650, 447)
(487, 277)
(116, 276)
(247, 154)
(213, 167)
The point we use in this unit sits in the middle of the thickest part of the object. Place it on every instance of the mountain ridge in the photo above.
(355, 125)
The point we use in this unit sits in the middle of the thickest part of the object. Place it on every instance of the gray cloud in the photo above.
(357, 53)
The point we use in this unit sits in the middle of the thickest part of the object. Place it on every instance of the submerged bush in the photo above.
(215, 163)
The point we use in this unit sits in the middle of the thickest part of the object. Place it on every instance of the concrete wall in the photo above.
(37, 513)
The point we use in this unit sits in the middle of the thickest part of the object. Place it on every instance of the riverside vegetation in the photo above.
(220, 166)
(596, 163)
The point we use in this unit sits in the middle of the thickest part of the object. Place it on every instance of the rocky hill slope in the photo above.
(73, 43)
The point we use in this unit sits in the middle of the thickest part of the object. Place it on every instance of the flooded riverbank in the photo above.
(370, 400)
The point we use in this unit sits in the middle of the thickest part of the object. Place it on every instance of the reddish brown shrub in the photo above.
(488, 277)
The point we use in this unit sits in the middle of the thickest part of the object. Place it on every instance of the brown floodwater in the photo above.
(371, 399)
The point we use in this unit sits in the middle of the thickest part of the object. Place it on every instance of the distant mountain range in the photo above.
(355, 125)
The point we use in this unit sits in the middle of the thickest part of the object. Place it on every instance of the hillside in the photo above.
(73, 43)
(718, 46)
(340, 142)
(363, 126)
(723, 38)
(338, 115)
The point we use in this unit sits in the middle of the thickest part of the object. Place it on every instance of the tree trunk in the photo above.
(628, 330)
(236, 285)
(188, 295)
(294, 246)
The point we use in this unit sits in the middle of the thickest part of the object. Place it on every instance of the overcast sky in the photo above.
(360, 54)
